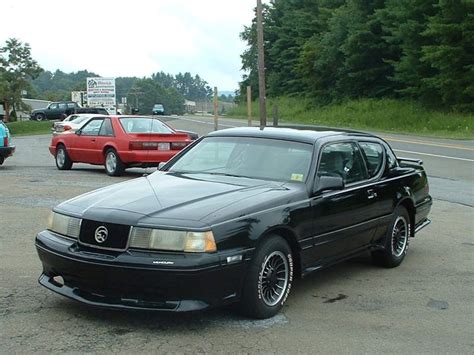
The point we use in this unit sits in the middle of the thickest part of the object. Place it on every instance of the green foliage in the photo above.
(384, 115)
(22, 128)
(451, 53)
(147, 92)
(164, 88)
(16, 68)
(332, 51)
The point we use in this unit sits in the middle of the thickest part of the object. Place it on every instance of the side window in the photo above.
(92, 128)
(53, 106)
(62, 106)
(344, 160)
(106, 129)
(373, 154)
(71, 105)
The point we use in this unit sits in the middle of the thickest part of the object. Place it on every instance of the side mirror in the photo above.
(328, 183)
(78, 132)
(161, 165)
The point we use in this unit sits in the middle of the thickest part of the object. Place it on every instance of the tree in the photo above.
(451, 53)
(16, 67)
(405, 21)
(146, 92)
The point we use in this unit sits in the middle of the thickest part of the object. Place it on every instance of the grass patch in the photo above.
(24, 128)
(369, 114)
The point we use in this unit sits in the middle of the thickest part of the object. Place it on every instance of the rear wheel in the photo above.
(63, 162)
(2, 159)
(40, 117)
(396, 241)
(269, 279)
(113, 164)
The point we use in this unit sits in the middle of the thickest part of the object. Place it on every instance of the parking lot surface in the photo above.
(425, 305)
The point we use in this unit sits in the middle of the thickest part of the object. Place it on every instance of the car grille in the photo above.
(116, 235)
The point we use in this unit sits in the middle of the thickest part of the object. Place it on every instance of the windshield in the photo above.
(158, 106)
(256, 158)
(144, 125)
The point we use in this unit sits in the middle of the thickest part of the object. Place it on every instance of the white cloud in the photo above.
(137, 38)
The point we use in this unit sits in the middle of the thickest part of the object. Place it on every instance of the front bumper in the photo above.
(6, 152)
(139, 279)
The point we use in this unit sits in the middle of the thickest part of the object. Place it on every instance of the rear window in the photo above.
(80, 119)
(143, 125)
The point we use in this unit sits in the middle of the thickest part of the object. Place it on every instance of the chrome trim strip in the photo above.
(422, 225)
(374, 220)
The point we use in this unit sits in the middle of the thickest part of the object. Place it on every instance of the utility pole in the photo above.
(249, 105)
(215, 110)
(261, 66)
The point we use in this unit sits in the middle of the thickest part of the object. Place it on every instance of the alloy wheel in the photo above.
(273, 280)
(111, 162)
(400, 233)
(60, 157)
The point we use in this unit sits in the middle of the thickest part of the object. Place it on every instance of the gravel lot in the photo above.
(426, 305)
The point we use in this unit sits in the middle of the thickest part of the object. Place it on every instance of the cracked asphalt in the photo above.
(424, 306)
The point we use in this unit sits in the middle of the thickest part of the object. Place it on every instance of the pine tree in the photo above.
(451, 53)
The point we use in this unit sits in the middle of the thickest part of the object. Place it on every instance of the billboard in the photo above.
(101, 93)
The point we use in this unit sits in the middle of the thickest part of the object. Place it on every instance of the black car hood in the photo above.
(166, 198)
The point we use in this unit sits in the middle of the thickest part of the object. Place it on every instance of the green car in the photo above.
(6, 147)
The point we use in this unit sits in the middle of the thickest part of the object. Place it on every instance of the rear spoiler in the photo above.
(411, 160)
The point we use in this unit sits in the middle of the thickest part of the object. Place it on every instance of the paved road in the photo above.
(424, 306)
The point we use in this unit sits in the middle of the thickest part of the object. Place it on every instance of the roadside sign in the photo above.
(101, 93)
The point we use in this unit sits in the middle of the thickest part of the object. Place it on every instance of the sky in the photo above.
(133, 38)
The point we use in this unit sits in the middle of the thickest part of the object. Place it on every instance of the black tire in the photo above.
(40, 117)
(396, 240)
(113, 164)
(272, 259)
(63, 162)
(2, 159)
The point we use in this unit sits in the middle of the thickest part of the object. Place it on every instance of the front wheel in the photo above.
(269, 279)
(63, 162)
(396, 240)
(39, 117)
(113, 163)
(2, 159)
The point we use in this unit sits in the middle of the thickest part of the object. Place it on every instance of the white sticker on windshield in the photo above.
(296, 177)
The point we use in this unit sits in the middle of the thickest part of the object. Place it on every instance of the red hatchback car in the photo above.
(118, 142)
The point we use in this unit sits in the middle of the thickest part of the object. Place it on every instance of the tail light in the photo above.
(5, 141)
(157, 145)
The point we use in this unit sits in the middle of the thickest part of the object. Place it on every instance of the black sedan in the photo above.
(235, 217)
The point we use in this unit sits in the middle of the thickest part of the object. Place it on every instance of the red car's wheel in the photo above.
(63, 162)
(113, 164)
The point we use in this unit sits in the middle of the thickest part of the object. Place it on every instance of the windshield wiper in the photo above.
(231, 175)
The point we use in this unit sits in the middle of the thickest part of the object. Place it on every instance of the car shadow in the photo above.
(130, 321)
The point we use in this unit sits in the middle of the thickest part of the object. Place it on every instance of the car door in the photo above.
(52, 112)
(342, 223)
(379, 162)
(106, 133)
(84, 147)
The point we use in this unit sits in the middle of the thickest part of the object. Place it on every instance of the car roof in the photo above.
(306, 134)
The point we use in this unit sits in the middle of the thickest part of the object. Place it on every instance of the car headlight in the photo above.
(65, 225)
(161, 239)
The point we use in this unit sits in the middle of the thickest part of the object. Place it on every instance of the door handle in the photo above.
(371, 194)
(92, 140)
